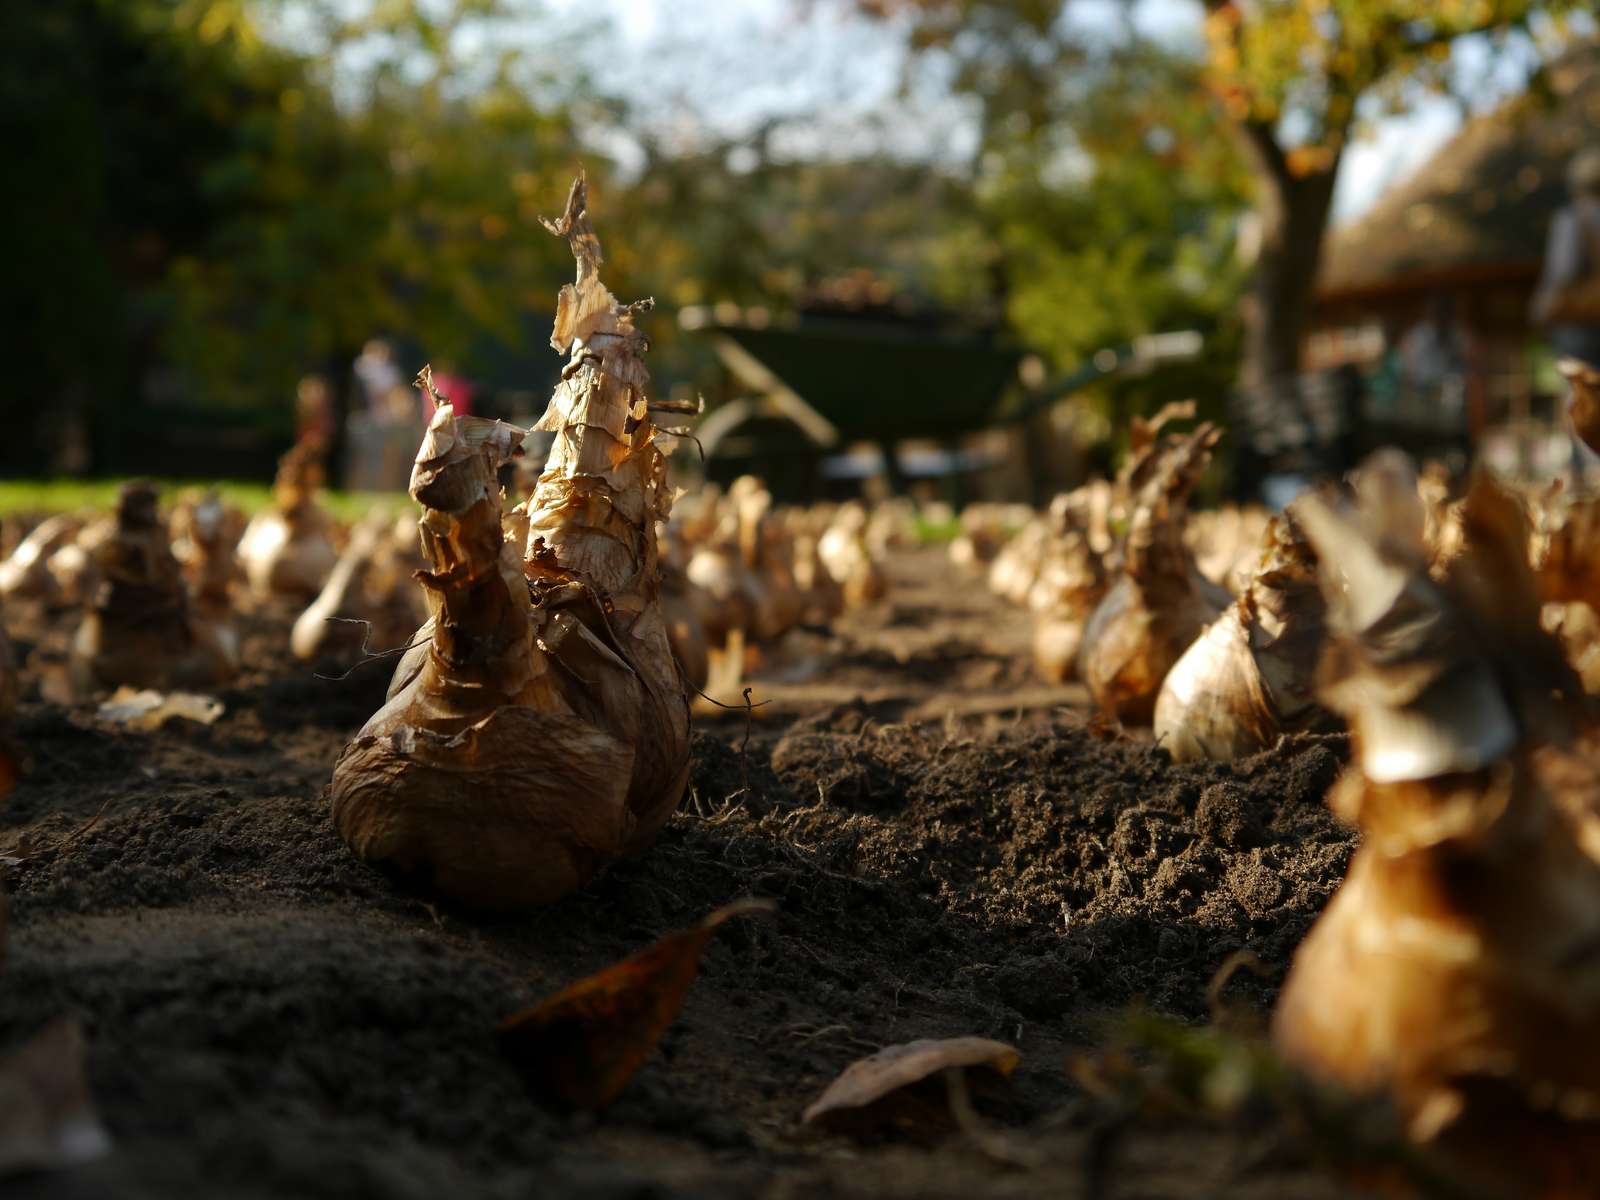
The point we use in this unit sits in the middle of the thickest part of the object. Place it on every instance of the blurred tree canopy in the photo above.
(215, 196)
(1284, 78)
(211, 214)
(1116, 206)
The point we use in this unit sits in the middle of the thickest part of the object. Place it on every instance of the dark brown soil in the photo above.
(952, 850)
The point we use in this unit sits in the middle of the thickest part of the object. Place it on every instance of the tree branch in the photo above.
(1261, 144)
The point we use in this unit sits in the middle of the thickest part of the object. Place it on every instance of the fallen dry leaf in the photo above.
(903, 1086)
(150, 709)
(582, 1045)
(47, 1119)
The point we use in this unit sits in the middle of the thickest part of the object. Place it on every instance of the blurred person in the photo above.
(1568, 297)
(400, 426)
(454, 387)
(377, 428)
(313, 412)
(376, 372)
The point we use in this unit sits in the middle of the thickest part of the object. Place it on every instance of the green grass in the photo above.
(63, 495)
(937, 531)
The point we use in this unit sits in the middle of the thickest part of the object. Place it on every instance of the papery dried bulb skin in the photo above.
(476, 774)
(287, 549)
(1070, 584)
(1577, 626)
(767, 555)
(681, 606)
(1225, 543)
(823, 597)
(1583, 409)
(718, 571)
(74, 567)
(1159, 603)
(544, 731)
(25, 574)
(844, 552)
(1566, 549)
(370, 599)
(205, 532)
(837, 546)
(593, 520)
(1454, 971)
(1250, 677)
(1016, 567)
(139, 629)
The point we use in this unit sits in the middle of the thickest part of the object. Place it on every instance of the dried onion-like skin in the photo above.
(25, 574)
(140, 629)
(1250, 677)
(369, 601)
(1566, 550)
(822, 596)
(686, 633)
(843, 550)
(1159, 602)
(287, 549)
(718, 570)
(1016, 567)
(1454, 971)
(205, 532)
(1070, 585)
(73, 567)
(543, 729)
(1584, 407)
(767, 554)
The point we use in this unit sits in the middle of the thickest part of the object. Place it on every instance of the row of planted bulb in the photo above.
(1453, 633)
(1449, 973)
(1210, 625)
(161, 596)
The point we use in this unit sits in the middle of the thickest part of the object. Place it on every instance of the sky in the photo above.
(736, 64)
(746, 60)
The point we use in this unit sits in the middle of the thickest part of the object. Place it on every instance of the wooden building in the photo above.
(1462, 240)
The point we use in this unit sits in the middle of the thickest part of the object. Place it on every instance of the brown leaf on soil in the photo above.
(882, 1089)
(582, 1045)
(47, 1118)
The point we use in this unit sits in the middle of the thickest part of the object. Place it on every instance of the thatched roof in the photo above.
(1479, 209)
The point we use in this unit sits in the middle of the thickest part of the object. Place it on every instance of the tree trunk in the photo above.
(1293, 211)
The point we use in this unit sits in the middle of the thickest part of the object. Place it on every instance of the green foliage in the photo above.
(1301, 67)
(218, 213)
(1132, 234)
(100, 495)
(411, 207)
(1285, 76)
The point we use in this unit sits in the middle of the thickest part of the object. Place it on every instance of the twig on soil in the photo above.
(1239, 959)
(77, 833)
(803, 1033)
(800, 1034)
(749, 721)
(732, 805)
